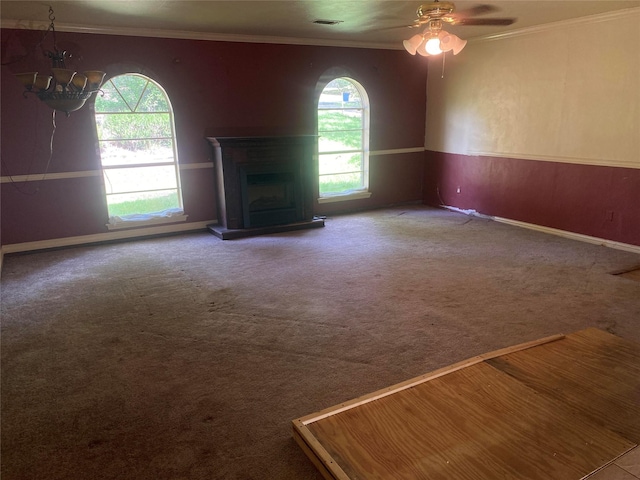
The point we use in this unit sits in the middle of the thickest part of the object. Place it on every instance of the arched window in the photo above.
(343, 140)
(136, 134)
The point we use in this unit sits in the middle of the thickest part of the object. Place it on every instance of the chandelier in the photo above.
(434, 41)
(64, 90)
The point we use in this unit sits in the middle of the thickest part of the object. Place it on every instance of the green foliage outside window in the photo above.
(342, 129)
(143, 204)
(131, 93)
(341, 138)
(134, 127)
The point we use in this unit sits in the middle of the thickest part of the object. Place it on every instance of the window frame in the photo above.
(171, 215)
(363, 191)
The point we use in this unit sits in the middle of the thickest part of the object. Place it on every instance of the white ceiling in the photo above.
(366, 23)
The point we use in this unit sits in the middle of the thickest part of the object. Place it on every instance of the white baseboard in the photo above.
(553, 231)
(103, 237)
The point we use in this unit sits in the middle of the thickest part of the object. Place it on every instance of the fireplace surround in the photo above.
(263, 184)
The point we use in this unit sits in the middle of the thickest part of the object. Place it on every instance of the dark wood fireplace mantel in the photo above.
(264, 184)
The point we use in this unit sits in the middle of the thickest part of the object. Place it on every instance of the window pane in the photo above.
(131, 87)
(340, 163)
(135, 128)
(342, 136)
(125, 180)
(133, 125)
(340, 141)
(133, 152)
(340, 183)
(151, 202)
(339, 120)
(340, 93)
(110, 100)
(153, 100)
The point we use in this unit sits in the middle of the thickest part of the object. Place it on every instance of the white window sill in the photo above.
(344, 197)
(121, 224)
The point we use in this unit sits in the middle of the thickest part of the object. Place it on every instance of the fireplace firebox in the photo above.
(264, 184)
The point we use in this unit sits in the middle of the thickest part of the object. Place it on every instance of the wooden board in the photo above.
(595, 372)
(490, 417)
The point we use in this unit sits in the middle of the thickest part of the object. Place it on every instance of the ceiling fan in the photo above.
(434, 40)
(446, 12)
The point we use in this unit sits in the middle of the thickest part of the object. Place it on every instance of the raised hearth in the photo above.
(264, 184)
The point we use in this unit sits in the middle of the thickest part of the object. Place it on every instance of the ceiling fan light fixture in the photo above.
(434, 43)
(432, 46)
(437, 13)
(458, 45)
(413, 43)
(421, 50)
(446, 41)
(450, 42)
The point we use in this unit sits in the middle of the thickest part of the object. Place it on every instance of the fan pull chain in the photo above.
(443, 56)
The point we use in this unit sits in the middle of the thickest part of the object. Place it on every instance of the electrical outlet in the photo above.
(610, 215)
(458, 190)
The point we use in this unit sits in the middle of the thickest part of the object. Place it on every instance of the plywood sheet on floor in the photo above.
(497, 416)
(633, 274)
(595, 372)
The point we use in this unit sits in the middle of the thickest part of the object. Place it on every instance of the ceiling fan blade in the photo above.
(484, 21)
(475, 11)
(395, 27)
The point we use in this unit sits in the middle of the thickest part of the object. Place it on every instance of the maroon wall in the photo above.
(602, 202)
(216, 88)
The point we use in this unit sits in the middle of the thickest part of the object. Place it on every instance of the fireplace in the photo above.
(264, 184)
(270, 197)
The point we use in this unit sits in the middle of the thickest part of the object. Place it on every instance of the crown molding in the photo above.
(587, 20)
(227, 37)
(188, 35)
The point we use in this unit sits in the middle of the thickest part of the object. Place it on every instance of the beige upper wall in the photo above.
(565, 92)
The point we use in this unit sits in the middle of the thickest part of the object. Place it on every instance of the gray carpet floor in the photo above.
(187, 357)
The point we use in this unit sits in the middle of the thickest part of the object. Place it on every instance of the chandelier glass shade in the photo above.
(63, 89)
